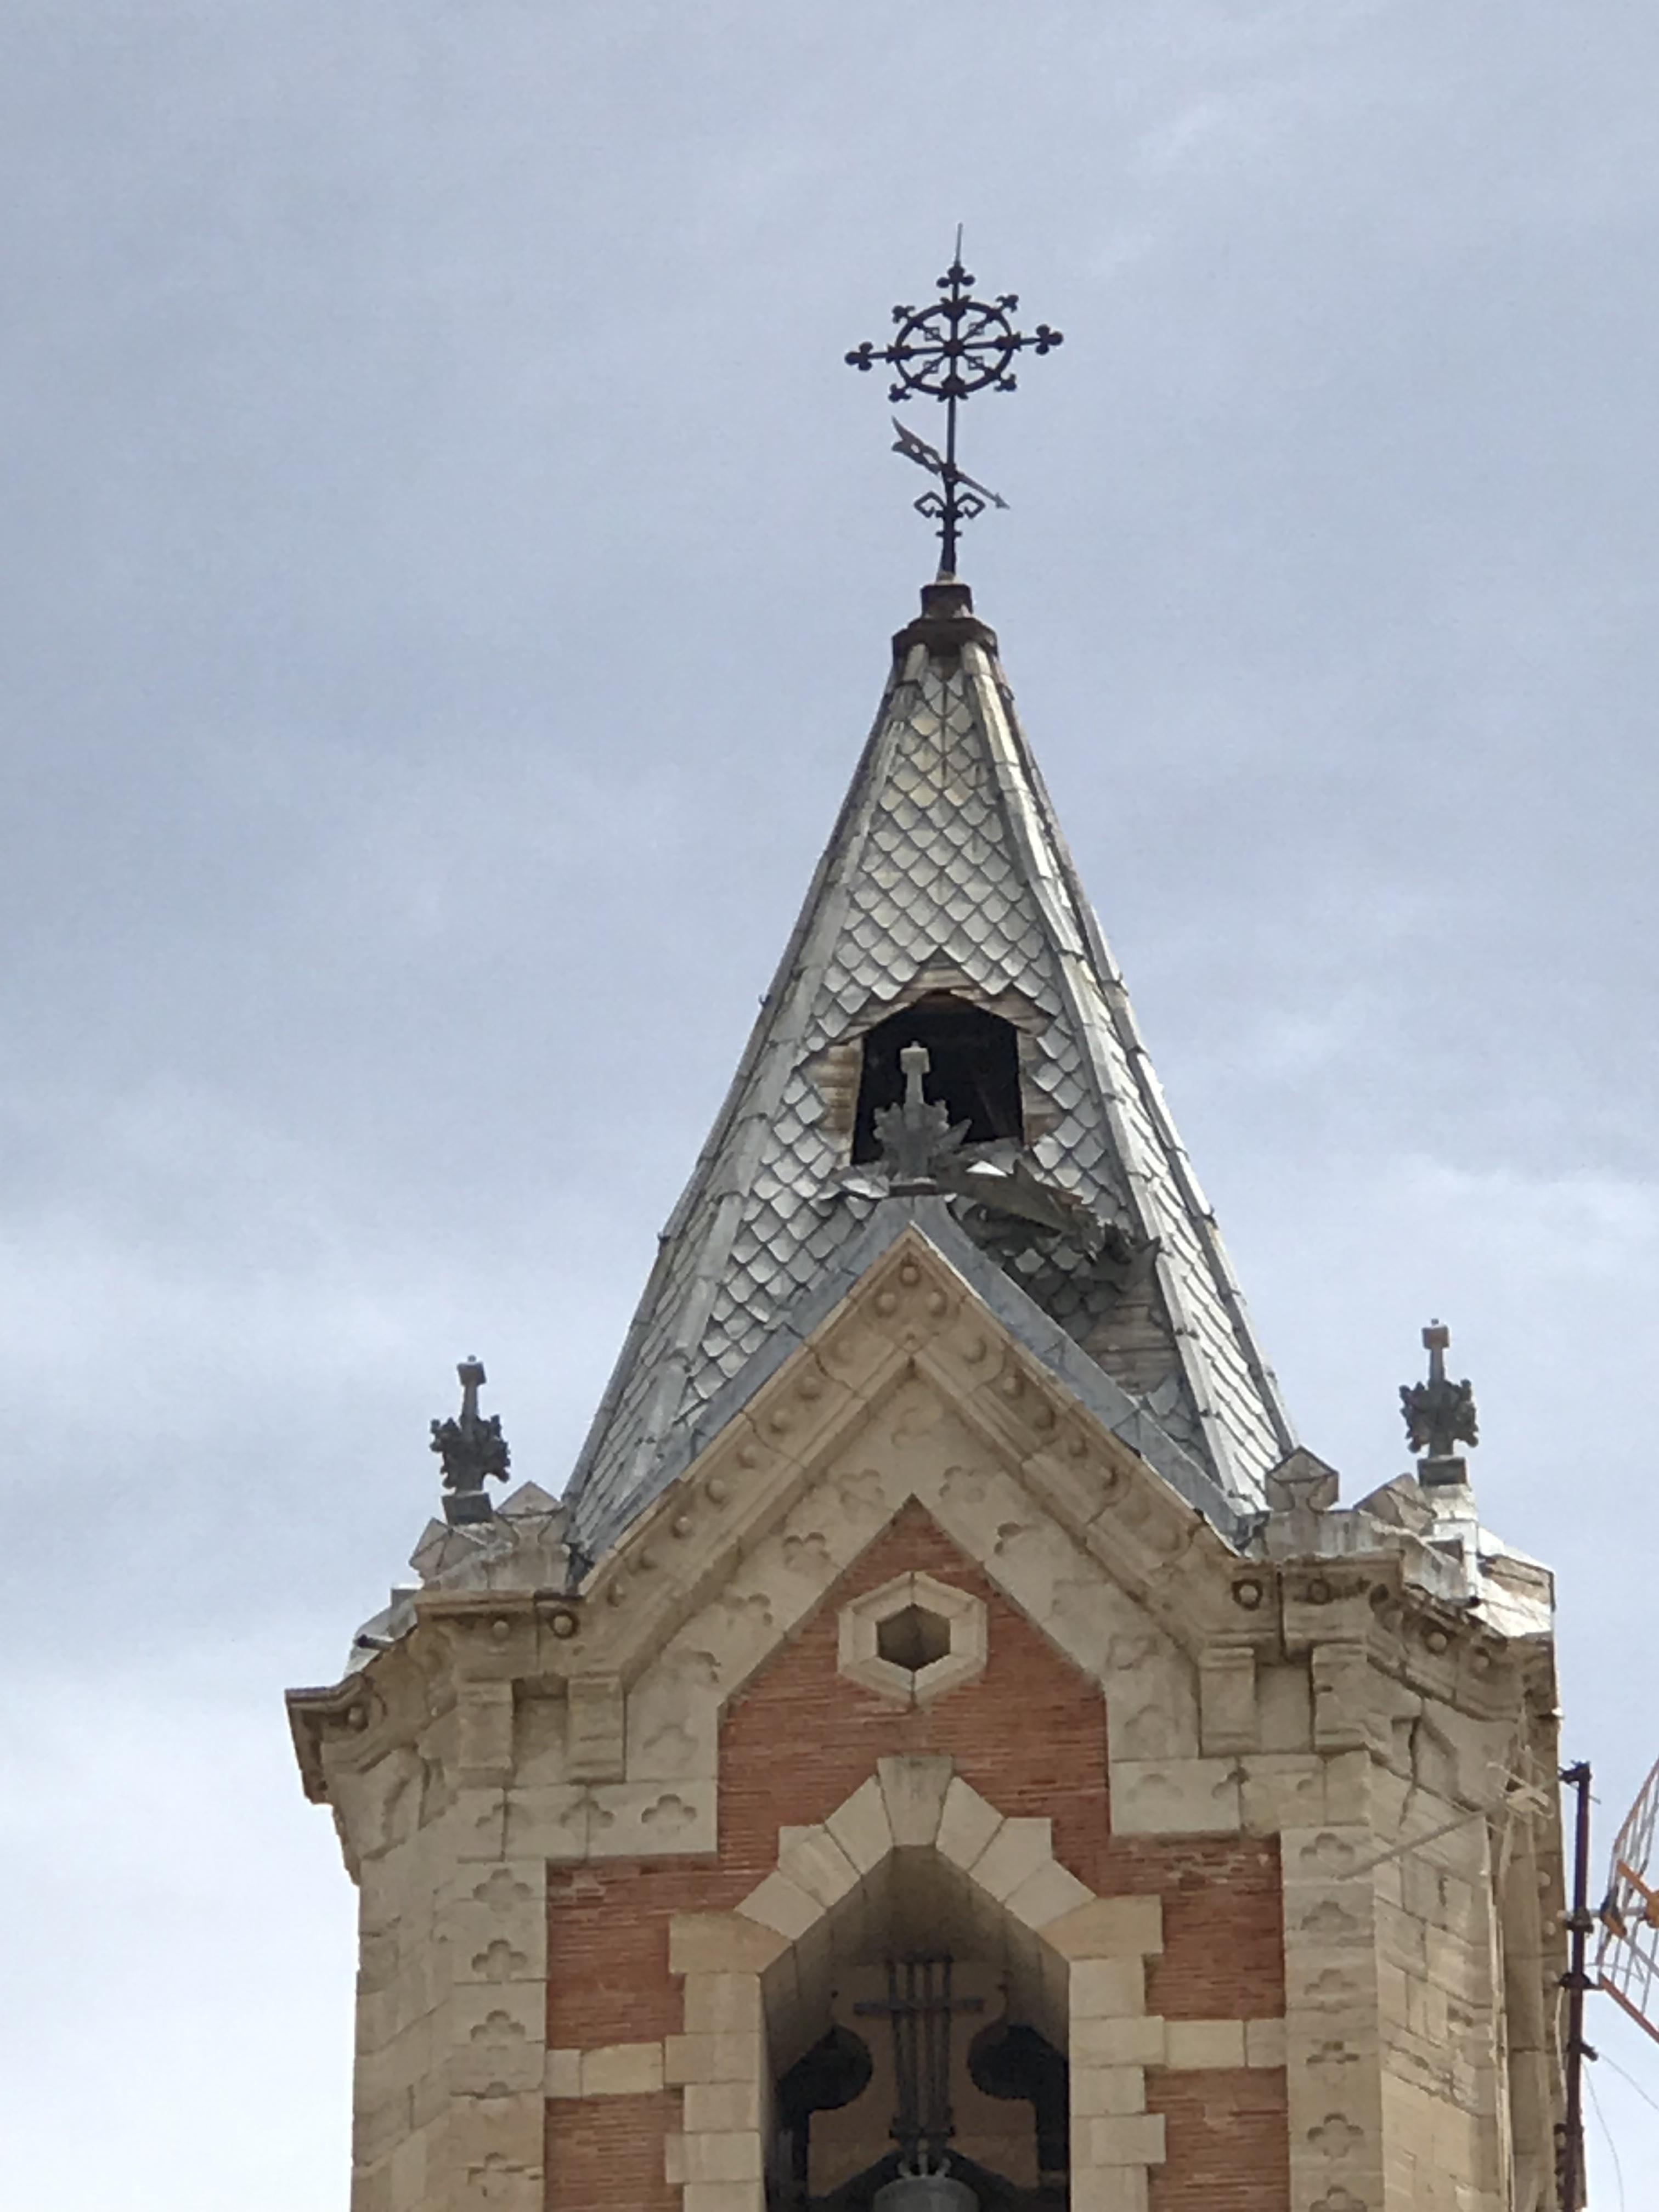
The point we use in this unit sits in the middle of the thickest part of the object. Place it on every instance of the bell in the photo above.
(925, 2192)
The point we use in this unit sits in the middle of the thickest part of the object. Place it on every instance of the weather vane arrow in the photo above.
(948, 351)
(928, 457)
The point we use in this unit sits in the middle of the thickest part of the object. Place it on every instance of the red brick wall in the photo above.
(606, 2155)
(1227, 2141)
(1030, 1735)
(608, 1979)
(1224, 1929)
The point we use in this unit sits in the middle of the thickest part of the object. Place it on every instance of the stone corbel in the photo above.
(1341, 1691)
(596, 1746)
(1228, 1720)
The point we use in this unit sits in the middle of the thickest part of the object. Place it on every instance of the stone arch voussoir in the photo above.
(1094, 1951)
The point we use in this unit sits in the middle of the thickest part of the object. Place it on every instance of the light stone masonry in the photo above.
(1320, 1699)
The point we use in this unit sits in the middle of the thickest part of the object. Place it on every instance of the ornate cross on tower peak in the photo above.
(470, 1448)
(947, 350)
(1439, 1415)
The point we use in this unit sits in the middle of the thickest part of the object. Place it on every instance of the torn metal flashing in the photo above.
(1040, 1335)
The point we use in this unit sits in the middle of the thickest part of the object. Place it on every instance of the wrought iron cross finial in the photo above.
(948, 351)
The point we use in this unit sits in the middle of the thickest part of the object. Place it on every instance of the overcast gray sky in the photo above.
(449, 572)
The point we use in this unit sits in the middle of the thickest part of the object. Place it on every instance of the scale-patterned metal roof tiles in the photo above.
(946, 862)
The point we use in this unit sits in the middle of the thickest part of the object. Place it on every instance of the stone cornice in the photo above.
(911, 1320)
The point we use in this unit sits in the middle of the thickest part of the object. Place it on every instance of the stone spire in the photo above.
(946, 885)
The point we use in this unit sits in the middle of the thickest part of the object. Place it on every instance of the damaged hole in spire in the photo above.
(973, 1071)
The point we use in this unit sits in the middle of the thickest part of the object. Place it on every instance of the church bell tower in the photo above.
(948, 1746)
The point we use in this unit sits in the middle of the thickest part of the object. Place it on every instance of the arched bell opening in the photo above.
(918, 2016)
(1013, 2060)
(973, 1071)
(829, 2073)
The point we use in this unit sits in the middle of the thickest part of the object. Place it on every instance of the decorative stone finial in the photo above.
(471, 1448)
(917, 1138)
(1439, 1415)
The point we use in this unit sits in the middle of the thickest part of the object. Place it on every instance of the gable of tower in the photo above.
(911, 1396)
(1029, 1729)
(994, 1793)
(911, 1452)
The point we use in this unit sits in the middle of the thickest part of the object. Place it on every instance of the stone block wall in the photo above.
(611, 1845)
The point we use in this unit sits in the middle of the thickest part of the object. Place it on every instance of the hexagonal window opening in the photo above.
(914, 1638)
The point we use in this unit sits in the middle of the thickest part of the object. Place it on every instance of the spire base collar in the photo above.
(947, 622)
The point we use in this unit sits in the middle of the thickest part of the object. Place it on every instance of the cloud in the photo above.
(450, 575)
